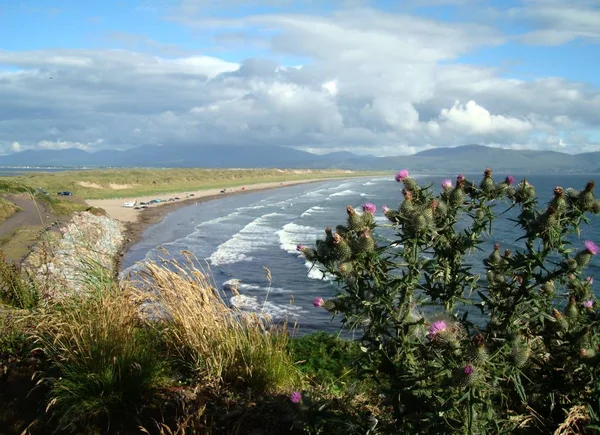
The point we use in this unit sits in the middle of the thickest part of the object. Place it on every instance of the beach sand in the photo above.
(136, 221)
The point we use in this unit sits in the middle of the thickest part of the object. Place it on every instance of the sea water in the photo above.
(239, 237)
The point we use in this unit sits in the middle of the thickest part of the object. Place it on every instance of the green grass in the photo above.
(144, 182)
(326, 359)
(7, 209)
(16, 289)
(107, 359)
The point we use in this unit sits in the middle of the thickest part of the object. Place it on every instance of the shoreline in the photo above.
(134, 229)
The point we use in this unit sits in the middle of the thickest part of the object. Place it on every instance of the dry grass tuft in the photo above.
(107, 358)
(576, 419)
(218, 344)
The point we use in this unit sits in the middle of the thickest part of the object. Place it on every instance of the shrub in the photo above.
(107, 359)
(219, 345)
(16, 288)
(326, 358)
(529, 363)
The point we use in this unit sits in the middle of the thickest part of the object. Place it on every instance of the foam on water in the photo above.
(343, 193)
(257, 235)
(293, 234)
(313, 210)
(275, 311)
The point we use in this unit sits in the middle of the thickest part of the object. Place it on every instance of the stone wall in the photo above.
(71, 256)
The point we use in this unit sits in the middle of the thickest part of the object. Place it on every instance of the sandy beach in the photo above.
(136, 221)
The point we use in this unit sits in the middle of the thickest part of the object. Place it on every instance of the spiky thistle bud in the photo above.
(571, 310)
(559, 202)
(548, 288)
(457, 196)
(596, 207)
(524, 192)
(346, 268)
(407, 205)
(560, 322)
(587, 198)
(355, 222)
(584, 257)
(480, 353)
(409, 183)
(365, 242)
(494, 259)
(505, 185)
(487, 185)
(520, 351)
(341, 249)
(442, 208)
(470, 375)
(309, 253)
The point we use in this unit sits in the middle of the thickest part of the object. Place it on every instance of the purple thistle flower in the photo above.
(590, 280)
(510, 180)
(296, 397)
(460, 177)
(299, 247)
(589, 303)
(401, 175)
(468, 369)
(385, 208)
(369, 208)
(591, 247)
(318, 301)
(446, 184)
(435, 328)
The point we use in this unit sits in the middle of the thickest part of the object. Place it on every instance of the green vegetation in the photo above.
(7, 209)
(162, 352)
(118, 183)
(528, 363)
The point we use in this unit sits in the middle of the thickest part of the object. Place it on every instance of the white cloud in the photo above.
(474, 119)
(370, 82)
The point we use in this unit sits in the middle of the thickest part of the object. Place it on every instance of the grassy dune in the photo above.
(7, 209)
(121, 183)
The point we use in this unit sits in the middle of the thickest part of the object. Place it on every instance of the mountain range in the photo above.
(467, 158)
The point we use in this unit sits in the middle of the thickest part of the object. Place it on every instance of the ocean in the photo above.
(239, 236)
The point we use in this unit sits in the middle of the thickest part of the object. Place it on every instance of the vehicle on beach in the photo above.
(130, 204)
(65, 193)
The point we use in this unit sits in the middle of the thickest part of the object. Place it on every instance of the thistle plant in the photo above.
(529, 355)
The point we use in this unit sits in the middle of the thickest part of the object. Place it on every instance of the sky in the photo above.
(377, 77)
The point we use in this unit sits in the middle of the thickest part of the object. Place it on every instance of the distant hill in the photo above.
(465, 158)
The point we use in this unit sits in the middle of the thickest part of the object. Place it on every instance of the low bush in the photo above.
(529, 361)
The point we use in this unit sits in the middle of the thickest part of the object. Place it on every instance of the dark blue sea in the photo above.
(238, 236)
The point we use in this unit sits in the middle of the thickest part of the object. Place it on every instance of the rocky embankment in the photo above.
(71, 254)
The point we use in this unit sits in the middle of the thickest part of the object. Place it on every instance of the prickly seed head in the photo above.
(487, 184)
(520, 352)
(457, 196)
(346, 268)
(571, 310)
(368, 220)
(470, 375)
(560, 323)
(495, 258)
(366, 243)
(548, 288)
(442, 208)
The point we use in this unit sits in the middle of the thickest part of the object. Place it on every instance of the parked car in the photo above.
(65, 193)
